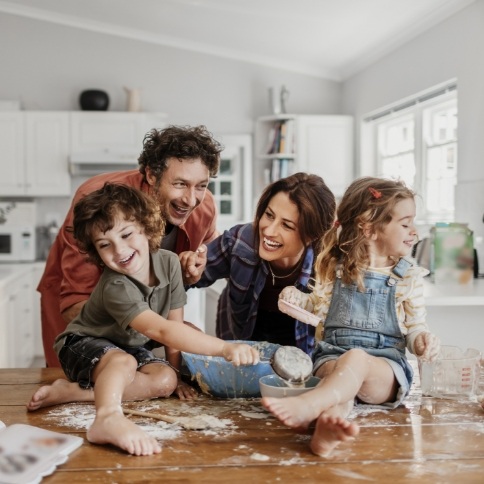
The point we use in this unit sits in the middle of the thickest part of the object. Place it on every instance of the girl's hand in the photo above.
(292, 295)
(184, 391)
(427, 346)
(240, 354)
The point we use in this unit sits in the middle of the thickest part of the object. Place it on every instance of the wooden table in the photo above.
(427, 440)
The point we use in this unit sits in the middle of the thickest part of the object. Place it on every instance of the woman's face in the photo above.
(279, 236)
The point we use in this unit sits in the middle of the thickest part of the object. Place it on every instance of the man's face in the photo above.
(182, 188)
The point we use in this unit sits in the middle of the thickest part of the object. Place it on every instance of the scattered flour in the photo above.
(80, 417)
(259, 457)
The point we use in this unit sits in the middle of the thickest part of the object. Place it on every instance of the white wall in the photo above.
(452, 49)
(46, 66)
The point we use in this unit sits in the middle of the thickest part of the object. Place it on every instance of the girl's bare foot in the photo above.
(114, 428)
(291, 411)
(329, 432)
(61, 391)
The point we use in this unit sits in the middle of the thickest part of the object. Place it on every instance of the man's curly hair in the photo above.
(100, 209)
(181, 142)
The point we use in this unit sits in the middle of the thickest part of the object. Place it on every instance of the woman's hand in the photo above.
(427, 346)
(240, 354)
(184, 391)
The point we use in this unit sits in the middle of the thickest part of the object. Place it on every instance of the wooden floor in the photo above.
(427, 440)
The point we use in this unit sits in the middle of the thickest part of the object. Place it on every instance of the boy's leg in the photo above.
(114, 372)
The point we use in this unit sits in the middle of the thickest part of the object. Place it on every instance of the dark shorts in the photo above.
(80, 354)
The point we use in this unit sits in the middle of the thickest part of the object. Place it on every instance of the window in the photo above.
(416, 141)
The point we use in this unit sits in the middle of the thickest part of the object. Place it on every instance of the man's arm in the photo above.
(71, 312)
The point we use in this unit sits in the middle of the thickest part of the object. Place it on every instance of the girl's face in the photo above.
(279, 238)
(124, 249)
(400, 235)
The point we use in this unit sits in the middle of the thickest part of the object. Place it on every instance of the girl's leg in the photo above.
(115, 371)
(355, 373)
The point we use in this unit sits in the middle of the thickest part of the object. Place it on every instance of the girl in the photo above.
(137, 305)
(369, 295)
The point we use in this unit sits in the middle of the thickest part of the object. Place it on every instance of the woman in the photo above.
(259, 259)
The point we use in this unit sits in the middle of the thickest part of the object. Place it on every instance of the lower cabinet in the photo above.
(20, 322)
(19, 310)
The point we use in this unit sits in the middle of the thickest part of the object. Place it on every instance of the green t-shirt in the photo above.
(117, 299)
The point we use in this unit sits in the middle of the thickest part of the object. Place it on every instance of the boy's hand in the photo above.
(292, 295)
(193, 264)
(185, 392)
(427, 346)
(240, 354)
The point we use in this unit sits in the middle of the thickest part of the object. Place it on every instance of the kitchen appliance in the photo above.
(17, 243)
(17, 231)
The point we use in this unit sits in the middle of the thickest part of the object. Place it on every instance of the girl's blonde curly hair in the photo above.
(367, 204)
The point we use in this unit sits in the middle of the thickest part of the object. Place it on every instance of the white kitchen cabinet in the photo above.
(111, 132)
(16, 311)
(4, 315)
(34, 148)
(319, 144)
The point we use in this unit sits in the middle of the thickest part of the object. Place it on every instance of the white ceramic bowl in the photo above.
(274, 386)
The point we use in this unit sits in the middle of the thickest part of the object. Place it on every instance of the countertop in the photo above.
(8, 271)
(471, 294)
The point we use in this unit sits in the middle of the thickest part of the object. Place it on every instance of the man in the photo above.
(175, 167)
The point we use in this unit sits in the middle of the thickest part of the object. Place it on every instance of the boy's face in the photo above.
(182, 188)
(124, 249)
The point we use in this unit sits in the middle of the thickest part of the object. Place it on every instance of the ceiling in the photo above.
(331, 39)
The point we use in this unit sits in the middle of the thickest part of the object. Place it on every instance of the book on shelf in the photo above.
(281, 168)
(280, 139)
(29, 453)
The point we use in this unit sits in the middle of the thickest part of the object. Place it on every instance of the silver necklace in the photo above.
(274, 277)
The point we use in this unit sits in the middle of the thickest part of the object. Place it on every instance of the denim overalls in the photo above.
(367, 320)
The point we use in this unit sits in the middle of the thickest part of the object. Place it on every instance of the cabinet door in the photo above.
(12, 164)
(325, 147)
(47, 151)
(19, 321)
(115, 132)
(4, 317)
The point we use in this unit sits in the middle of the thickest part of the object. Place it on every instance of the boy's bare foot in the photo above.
(292, 411)
(329, 432)
(114, 428)
(61, 391)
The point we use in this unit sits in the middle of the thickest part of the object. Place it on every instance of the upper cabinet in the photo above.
(33, 153)
(109, 141)
(40, 150)
(112, 132)
(319, 144)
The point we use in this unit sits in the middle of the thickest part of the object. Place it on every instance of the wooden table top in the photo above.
(428, 440)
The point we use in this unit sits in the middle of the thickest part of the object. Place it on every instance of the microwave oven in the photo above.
(17, 243)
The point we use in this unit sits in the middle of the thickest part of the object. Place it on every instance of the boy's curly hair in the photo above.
(367, 204)
(99, 210)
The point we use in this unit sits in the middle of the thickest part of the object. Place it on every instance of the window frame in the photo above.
(371, 161)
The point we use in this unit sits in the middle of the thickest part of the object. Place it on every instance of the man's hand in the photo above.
(193, 264)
